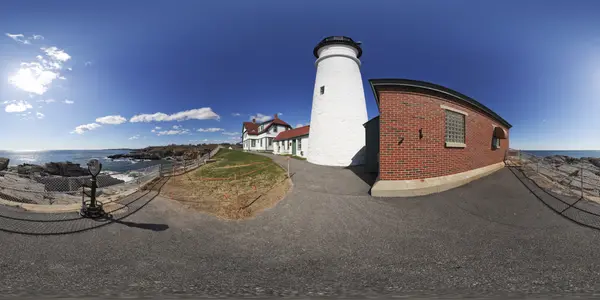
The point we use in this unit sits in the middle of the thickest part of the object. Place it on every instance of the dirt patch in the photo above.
(229, 191)
(229, 200)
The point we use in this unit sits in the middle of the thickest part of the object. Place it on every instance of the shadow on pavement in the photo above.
(147, 226)
(359, 171)
(563, 208)
(80, 224)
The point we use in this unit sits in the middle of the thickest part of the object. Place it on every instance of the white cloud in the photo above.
(176, 126)
(87, 63)
(205, 113)
(62, 78)
(157, 127)
(36, 77)
(261, 118)
(23, 39)
(112, 120)
(57, 54)
(232, 133)
(280, 114)
(18, 38)
(17, 106)
(39, 115)
(299, 125)
(135, 137)
(173, 132)
(69, 69)
(67, 101)
(212, 129)
(47, 101)
(87, 127)
(236, 114)
(33, 78)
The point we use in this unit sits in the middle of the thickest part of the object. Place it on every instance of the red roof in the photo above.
(252, 128)
(288, 134)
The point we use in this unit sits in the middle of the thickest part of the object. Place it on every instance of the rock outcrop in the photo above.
(176, 152)
(66, 169)
(4, 163)
(28, 169)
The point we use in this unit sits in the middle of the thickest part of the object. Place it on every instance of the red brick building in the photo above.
(429, 138)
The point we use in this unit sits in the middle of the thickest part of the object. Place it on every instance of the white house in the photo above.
(294, 142)
(259, 136)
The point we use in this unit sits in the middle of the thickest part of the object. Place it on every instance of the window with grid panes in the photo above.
(455, 127)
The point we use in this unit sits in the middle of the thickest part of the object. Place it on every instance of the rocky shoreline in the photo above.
(565, 174)
(171, 152)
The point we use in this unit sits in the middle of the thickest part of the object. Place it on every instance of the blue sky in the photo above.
(197, 64)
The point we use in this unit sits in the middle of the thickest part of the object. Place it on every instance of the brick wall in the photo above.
(403, 113)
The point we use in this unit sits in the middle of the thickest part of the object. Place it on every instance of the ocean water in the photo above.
(77, 156)
(571, 153)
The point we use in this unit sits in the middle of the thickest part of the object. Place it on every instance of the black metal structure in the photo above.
(332, 40)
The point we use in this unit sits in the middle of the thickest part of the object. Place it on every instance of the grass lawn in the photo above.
(237, 185)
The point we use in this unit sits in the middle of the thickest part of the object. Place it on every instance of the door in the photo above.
(294, 147)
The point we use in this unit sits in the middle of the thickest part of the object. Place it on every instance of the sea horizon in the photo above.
(571, 153)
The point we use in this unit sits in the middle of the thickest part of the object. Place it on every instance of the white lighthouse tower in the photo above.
(339, 110)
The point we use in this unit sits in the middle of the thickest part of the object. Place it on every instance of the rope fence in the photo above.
(574, 176)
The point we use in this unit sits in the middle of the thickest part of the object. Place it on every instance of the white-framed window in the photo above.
(275, 128)
(253, 143)
(270, 140)
(299, 144)
(495, 142)
(455, 129)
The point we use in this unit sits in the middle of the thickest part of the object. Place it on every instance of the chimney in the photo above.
(275, 116)
(254, 121)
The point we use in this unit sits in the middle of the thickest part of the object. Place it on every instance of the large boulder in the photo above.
(27, 169)
(593, 161)
(4, 163)
(66, 169)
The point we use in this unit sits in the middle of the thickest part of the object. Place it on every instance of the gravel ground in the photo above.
(327, 237)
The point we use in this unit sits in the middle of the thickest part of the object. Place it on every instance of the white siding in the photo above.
(285, 146)
(264, 137)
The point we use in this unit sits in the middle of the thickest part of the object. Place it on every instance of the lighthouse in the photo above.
(339, 110)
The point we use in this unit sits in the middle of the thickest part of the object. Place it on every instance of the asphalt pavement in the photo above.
(327, 237)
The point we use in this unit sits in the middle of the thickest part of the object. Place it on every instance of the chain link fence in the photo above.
(38, 189)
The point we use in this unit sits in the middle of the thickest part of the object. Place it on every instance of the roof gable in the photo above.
(296, 132)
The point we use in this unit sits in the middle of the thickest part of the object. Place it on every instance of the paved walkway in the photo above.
(327, 236)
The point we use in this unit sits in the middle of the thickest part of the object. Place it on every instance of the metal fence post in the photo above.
(288, 167)
(581, 181)
(538, 165)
